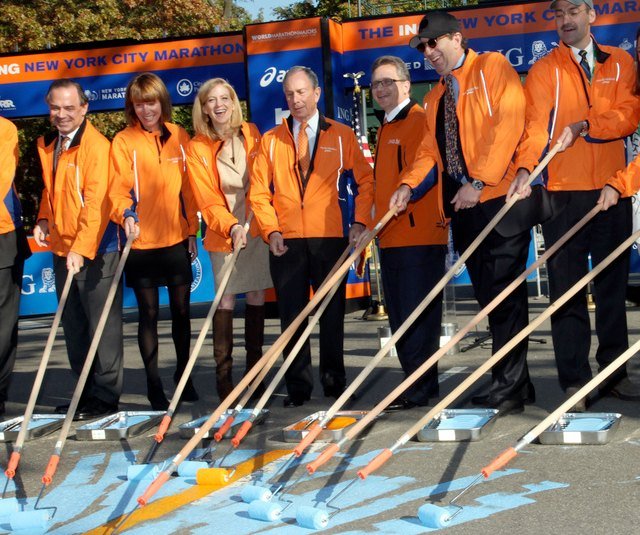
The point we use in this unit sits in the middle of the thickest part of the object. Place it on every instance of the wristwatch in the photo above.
(477, 184)
(585, 129)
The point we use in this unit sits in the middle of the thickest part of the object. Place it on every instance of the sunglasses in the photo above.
(431, 43)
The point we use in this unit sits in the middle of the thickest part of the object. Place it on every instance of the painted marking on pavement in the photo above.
(168, 504)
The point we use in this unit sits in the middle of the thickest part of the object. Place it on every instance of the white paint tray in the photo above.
(298, 430)
(120, 425)
(458, 425)
(582, 428)
(39, 425)
(188, 429)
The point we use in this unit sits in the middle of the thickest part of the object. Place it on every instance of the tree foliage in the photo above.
(341, 9)
(41, 24)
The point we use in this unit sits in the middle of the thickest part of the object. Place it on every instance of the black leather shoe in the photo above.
(483, 400)
(190, 393)
(400, 404)
(508, 406)
(624, 389)
(61, 409)
(94, 408)
(295, 401)
(333, 392)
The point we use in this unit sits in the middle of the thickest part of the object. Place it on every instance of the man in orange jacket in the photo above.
(413, 245)
(14, 249)
(475, 115)
(74, 222)
(581, 95)
(295, 196)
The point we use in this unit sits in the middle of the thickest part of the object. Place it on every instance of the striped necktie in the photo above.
(304, 159)
(63, 145)
(585, 64)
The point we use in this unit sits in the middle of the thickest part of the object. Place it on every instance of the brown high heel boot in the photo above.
(254, 340)
(222, 349)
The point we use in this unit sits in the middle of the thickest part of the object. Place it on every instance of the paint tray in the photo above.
(120, 425)
(188, 429)
(457, 425)
(581, 428)
(39, 425)
(341, 421)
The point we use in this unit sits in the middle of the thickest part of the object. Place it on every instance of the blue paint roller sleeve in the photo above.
(312, 517)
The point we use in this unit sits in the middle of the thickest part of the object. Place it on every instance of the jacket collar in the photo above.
(402, 114)
(323, 124)
(52, 136)
(468, 59)
(599, 55)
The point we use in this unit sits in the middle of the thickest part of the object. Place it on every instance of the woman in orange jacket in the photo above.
(151, 198)
(218, 160)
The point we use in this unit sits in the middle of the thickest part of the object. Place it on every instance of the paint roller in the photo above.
(386, 454)
(36, 517)
(246, 380)
(435, 516)
(140, 471)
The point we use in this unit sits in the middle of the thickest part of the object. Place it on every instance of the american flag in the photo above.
(356, 120)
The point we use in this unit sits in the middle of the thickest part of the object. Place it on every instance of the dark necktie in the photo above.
(585, 64)
(454, 165)
(304, 158)
(63, 145)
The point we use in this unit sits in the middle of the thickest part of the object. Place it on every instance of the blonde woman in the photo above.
(151, 197)
(219, 159)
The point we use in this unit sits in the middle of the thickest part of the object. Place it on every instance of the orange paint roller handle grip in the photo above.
(308, 439)
(47, 478)
(500, 461)
(14, 460)
(376, 463)
(242, 432)
(164, 427)
(153, 488)
(223, 428)
(329, 452)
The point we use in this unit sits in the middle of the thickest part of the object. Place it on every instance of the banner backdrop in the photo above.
(523, 32)
(104, 72)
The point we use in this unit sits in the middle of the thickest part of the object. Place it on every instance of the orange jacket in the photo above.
(490, 112)
(149, 182)
(75, 201)
(281, 203)
(202, 154)
(559, 94)
(10, 212)
(398, 141)
(627, 181)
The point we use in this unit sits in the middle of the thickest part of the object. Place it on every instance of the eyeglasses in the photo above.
(385, 82)
(431, 43)
(569, 14)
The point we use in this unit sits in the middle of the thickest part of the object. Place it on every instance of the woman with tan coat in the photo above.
(219, 159)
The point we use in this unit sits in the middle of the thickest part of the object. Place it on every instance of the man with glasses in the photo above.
(73, 222)
(475, 115)
(581, 95)
(413, 245)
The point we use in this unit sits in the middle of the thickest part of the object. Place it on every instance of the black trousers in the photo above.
(309, 260)
(570, 326)
(492, 267)
(10, 286)
(408, 275)
(80, 318)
